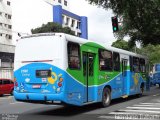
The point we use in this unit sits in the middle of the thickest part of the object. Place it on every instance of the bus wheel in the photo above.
(106, 97)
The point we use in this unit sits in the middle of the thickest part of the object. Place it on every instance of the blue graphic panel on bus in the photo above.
(41, 81)
(28, 81)
(57, 83)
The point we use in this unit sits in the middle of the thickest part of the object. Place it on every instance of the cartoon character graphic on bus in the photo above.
(56, 81)
(136, 80)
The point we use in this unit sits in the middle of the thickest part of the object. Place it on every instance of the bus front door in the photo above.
(88, 73)
(124, 76)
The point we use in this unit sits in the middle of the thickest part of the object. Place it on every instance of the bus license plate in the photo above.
(36, 86)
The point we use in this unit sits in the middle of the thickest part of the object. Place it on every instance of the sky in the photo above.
(28, 14)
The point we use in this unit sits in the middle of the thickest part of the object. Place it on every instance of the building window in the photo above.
(78, 34)
(9, 26)
(73, 23)
(10, 37)
(59, 1)
(63, 18)
(5, 25)
(9, 16)
(1, 34)
(0, 24)
(73, 55)
(6, 15)
(78, 25)
(8, 3)
(65, 2)
(0, 13)
(116, 62)
(67, 21)
(105, 60)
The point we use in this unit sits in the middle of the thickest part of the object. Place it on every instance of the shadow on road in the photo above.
(74, 110)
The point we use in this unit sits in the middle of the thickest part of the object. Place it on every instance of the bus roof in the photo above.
(82, 41)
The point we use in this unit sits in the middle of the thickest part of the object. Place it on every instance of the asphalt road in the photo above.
(145, 107)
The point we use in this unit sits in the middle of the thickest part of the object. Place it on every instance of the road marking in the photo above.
(125, 113)
(144, 108)
(151, 103)
(8, 97)
(140, 111)
(156, 95)
(106, 117)
(15, 103)
(146, 105)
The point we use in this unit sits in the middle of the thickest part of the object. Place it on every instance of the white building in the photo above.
(6, 46)
(64, 3)
(5, 22)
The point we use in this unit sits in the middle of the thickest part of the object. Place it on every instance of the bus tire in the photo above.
(106, 97)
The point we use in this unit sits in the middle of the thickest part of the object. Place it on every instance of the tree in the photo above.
(140, 19)
(52, 27)
(122, 44)
(151, 51)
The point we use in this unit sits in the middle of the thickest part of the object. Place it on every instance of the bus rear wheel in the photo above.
(106, 97)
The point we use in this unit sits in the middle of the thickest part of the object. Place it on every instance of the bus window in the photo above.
(73, 55)
(116, 62)
(91, 63)
(142, 65)
(131, 63)
(135, 64)
(105, 60)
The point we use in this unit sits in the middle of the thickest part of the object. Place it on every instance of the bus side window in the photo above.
(131, 63)
(142, 65)
(116, 61)
(135, 64)
(105, 60)
(73, 55)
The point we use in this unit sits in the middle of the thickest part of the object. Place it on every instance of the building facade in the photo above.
(6, 47)
(63, 16)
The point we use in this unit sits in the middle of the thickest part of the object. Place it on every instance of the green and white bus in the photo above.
(56, 67)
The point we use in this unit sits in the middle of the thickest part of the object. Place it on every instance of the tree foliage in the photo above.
(140, 19)
(151, 51)
(52, 27)
(122, 44)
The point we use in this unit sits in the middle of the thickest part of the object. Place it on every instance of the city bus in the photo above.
(156, 74)
(60, 68)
